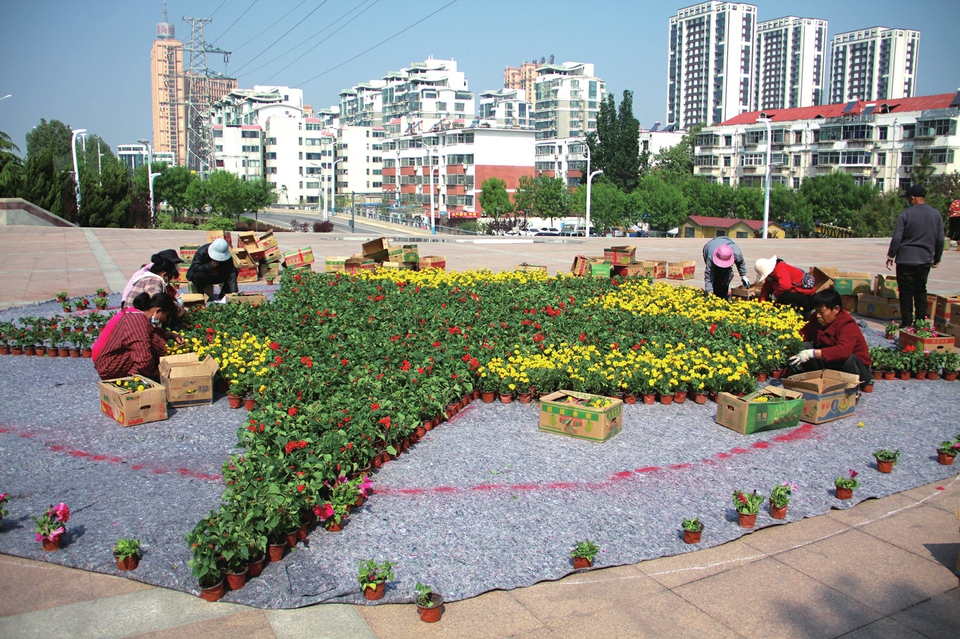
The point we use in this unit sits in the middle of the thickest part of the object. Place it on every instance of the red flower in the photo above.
(374, 406)
(909, 349)
(583, 337)
(437, 344)
(274, 346)
(405, 366)
(296, 278)
(713, 328)
(344, 362)
(301, 488)
(292, 411)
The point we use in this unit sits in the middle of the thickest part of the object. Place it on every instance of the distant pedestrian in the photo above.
(719, 256)
(785, 284)
(955, 220)
(916, 246)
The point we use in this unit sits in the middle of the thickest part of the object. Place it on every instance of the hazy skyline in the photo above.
(88, 64)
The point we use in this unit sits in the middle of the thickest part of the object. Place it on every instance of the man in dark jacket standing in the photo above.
(835, 339)
(916, 246)
(213, 264)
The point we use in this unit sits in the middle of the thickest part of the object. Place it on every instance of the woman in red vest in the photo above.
(785, 284)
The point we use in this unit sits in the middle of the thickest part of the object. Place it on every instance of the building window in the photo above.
(250, 134)
(250, 149)
(742, 234)
(798, 137)
(880, 184)
(689, 231)
(882, 132)
(441, 106)
(721, 232)
(726, 160)
(881, 159)
(906, 158)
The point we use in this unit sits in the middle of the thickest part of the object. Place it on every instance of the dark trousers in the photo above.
(799, 301)
(227, 285)
(853, 365)
(721, 281)
(912, 282)
(955, 228)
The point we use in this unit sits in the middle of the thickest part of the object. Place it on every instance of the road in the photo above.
(341, 223)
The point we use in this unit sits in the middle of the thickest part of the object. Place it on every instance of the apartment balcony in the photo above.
(750, 170)
(861, 144)
(408, 170)
(455, 169)
(574, 173)
(456, 189)
(825, 168)
(390, 171)
(547, 174)
(408, 188)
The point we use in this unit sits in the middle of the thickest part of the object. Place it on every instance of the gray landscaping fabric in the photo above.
(485, 501)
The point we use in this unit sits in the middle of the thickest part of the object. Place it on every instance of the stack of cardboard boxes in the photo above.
(379, 253)
(254, 257)
(621, 261)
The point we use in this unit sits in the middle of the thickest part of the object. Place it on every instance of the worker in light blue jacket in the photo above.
(719, 256)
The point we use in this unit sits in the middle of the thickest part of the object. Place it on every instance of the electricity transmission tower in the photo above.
(202, 87)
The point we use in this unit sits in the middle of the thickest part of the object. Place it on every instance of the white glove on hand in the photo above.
(745, 282)
(801, 357)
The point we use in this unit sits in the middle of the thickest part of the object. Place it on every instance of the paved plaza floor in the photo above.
(884, 568)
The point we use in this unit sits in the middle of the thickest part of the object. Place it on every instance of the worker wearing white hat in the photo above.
(785, 284)
(213, 264)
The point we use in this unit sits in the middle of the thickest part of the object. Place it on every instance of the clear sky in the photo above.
(87, 62)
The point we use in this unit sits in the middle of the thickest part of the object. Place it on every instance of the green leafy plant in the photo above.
(693, 525)
(207, 564)
(372, 573)
(585, 550)
(50, 525)
(950, 447)
(101, 303)
(848, 482)
(101, 291)
(423, 596)
(951, 362)
(887, 455)
(747, 503)
(3, 500)
(781, 494)
(891, 330)
(61, 296)
(125, 548)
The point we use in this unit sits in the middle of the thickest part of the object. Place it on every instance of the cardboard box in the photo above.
(821, 280)
(242, 258)
(877, 307)
(193, 300)
(953, 330)
(187, 251)
(581, 265)
(354, 265)
(630, 270)
(215, 235)
(298, 257)
(600, 270)
(256, 299)
(852, 283)
(248, 274)
(620, 255)
(568, 413)
(745, 293)
(187, 379)
(944, 308)
(432, 261)
(681, 270)
(335, 263)
(931, 306)
(182, 272)
(410, 253)
(377, 250)
(132, 408)
(530, 267)
(827, 394)
(399, 266)
(746, 416)
(887, 287)
(267, 240)
(272, 255)
(269, 270)
(659, 268)
(849, 303)
(954, 316)
(247, 240)
(942, 343)
(394, 254)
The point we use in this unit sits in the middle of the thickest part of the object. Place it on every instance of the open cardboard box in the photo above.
(133, 407)
(188, 380)
(746, 415)
(569, 413)
(827, 394)
(246, 298)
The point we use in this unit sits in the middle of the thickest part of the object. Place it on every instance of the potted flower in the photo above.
(886, 459)
(62, 297)
(692, 529)
(891, 330)
(429, 603)
(50, 526)
(373, 578)
(951, 363)
(81, 304)
(583, 554)
(3, 512)
(845, 485)
(101, 303)
(947, 451)
(747, 505)
(207, 562)
(127, 553)
(780, 498)
(101, 292)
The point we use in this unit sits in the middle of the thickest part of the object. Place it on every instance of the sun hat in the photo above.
(764, 267)
(169, 255)
(219, 250)
(723, 256)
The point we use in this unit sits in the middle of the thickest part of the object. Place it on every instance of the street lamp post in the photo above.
(76, 168)
(589, 180)
(433, 219)
(333, 190)
(150, 174)
(766, 188)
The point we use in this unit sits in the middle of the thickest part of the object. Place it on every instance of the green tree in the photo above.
(258, 194)
(923, 169)
(494, 199)
(54, 136)
(609, 206)
(878, 217)
(942, 190)
(525, 194)
(789, 208)
(171, 187)
(706, 198)
(226, 194)
(659, 203)
(748, 203)
(835, 198)
(615, 145)
(675, 164)
(552, 200)
(11, 167)
(49, 187)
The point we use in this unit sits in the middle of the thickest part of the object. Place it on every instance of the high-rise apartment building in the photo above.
(874, 64)
(790, 68)
(711, 58)
(567, 98)
(506, 108)
(522, 77)
(167, 93)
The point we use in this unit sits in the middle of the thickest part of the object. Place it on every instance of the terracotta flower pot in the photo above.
(629, 398)
(212, 593)
(889, 375)
(666, 400)
(255, 568)
(235, 401)
(844, 493)
(127, 563)
(777, 373)
(921, 374)
(372, 594)
(761, 377)
(332, 526)
(525, 398)
(877, 374)
(51, 352)
(433, 613)
(700, 398)
(680, 397)
(361, 500)
(276, 550)
(933, 374)
(579, 563)
(101, 294)
(692, 536)
(87, 353)
(885, 466)
(867, 388)
(63, 352)
(53, 544)
(5, 349)
(945, 459)
(649, 398)
(250, 403)
(747, 521)
(237, 580)
(778, 513)
(16, 350)
(950, 377)
(304, 531)
(506, 398)
(488, 397)
(75, 352)
(421, 431)
(904, 375)
(292, 539)
(476, 393)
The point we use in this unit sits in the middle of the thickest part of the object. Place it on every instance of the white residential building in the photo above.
(359, 159)
(506, 108)
(874, 64)
(710, 68)
(790, 68)
(567, 100)
(564, 158)
(876, 142)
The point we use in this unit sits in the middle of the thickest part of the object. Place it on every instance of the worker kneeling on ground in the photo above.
(133, 340)
(834, 340)
(213, 264)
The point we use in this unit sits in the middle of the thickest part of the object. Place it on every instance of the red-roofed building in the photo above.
(876, 142)
(706, 227)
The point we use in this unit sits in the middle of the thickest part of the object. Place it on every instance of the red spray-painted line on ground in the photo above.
(110, 459)
(802, 433)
